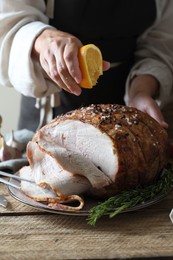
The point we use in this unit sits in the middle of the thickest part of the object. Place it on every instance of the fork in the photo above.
(12, 176)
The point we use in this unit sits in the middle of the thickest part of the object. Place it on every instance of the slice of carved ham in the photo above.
(46, 193)
(100, 149)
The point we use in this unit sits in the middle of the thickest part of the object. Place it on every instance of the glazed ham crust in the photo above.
(122, 143)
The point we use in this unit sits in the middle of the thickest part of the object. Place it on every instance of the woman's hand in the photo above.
(58, 55)
(141, 93)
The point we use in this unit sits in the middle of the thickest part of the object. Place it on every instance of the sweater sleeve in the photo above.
(154, 53)
(21, 22)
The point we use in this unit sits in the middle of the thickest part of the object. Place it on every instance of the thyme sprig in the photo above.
(131, 198)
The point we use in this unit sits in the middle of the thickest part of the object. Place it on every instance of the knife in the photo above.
(3, 201)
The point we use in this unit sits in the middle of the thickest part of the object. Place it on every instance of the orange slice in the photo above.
(91, 65)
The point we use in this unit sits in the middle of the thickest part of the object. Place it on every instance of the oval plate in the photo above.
(89, 202)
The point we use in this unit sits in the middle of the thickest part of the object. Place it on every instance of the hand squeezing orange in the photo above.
(91, 65)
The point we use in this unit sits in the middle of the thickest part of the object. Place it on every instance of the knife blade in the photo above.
(3, 201)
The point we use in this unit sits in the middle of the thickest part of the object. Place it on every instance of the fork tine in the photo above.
(14, 177)
(10, 184)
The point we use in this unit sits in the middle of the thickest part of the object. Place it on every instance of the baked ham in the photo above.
(99, 150)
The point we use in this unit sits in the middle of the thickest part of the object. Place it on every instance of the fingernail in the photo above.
(77, 92)
(165, 125)
(77, 80)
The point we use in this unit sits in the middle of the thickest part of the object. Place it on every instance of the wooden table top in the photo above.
(27, 233)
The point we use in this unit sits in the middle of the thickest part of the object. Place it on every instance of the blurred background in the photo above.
(9, 108)
(10, 104)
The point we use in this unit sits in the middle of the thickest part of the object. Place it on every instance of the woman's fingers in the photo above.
(58, 54)
(154, 111)
(106, 65)
(147, 104)
(65, 74)
(71, 59)
(56, 67)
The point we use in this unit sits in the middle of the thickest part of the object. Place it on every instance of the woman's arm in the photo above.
(154, 58)
(21, 22)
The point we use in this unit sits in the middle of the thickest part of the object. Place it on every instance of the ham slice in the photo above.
(48, 173)
(99, 149)
(46, 194)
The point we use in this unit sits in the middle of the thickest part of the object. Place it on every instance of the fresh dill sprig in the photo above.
(131, 198)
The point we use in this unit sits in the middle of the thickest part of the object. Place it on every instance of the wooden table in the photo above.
(27, 233)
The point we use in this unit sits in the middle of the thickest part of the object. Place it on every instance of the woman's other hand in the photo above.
(142, 91)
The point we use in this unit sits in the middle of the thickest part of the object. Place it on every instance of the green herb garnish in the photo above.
(131, 198)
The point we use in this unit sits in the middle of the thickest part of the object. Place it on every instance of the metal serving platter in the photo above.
(89, 202)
